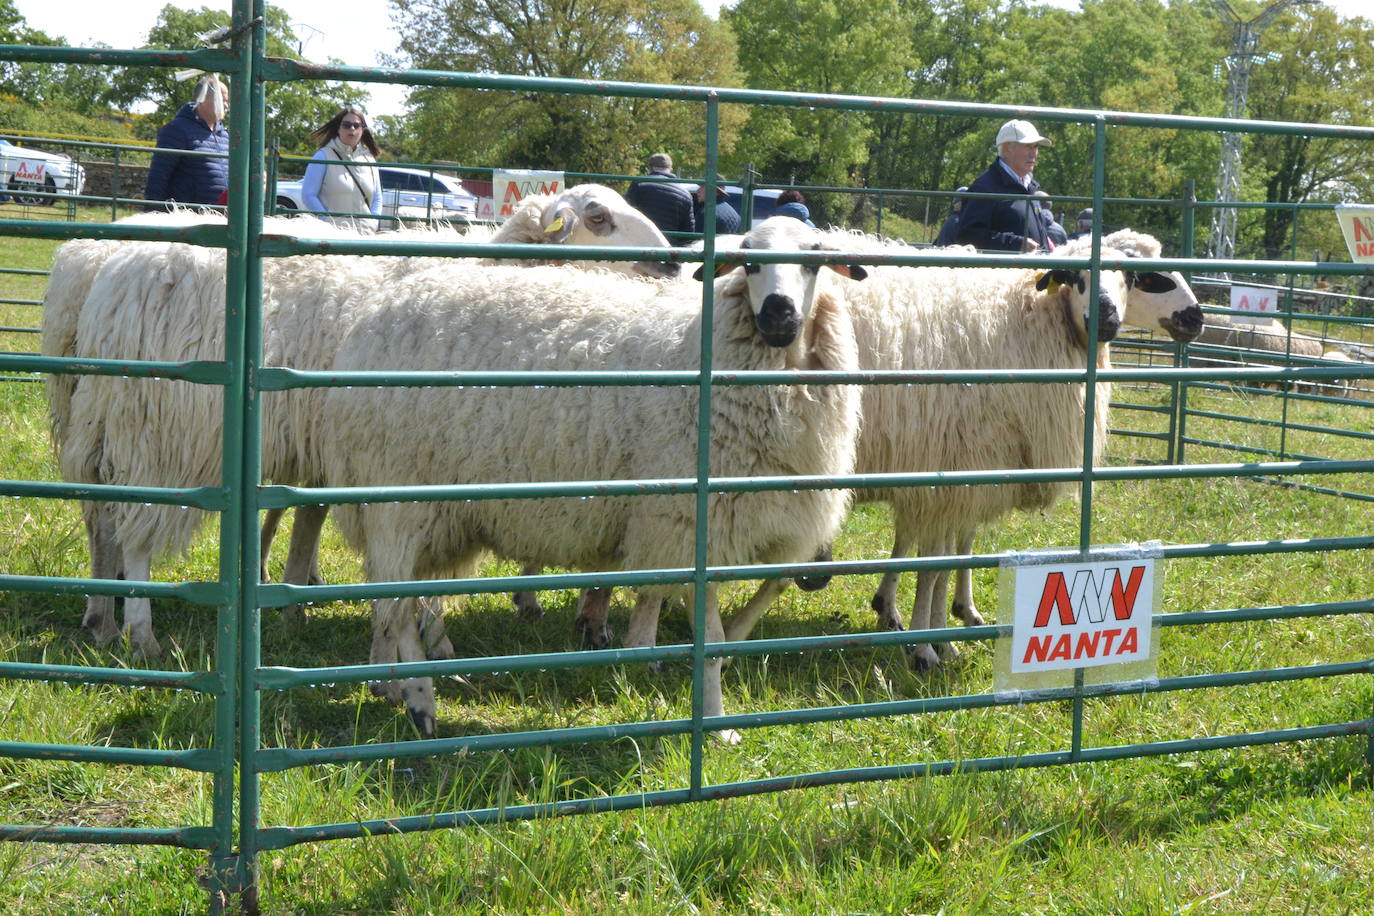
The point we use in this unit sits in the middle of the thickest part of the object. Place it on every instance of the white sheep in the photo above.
(769, 317)
(583, 215)
(961, 319)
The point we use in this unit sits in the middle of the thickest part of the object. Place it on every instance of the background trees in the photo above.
(1153, 56)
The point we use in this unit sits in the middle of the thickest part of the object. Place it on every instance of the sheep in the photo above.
(583, 215)
(928, 318)
(767, 317)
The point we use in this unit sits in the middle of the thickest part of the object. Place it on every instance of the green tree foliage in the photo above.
(666, 41)
(58, 85)
(852, 47)
(293, 109)
(1324, 73)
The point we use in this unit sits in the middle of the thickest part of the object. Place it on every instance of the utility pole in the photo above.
(1244, 56)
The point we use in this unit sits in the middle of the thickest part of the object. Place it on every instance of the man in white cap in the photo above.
(1015, 222)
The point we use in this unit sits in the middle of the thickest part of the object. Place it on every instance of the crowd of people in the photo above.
(1003, 209)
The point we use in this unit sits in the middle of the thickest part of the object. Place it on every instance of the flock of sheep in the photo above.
(165, 301)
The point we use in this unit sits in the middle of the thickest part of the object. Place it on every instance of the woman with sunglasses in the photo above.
(341, 178)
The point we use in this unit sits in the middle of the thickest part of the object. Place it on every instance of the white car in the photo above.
(24, 170)
(409, 193)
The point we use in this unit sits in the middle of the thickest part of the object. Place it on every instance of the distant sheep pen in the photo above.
(243, 757)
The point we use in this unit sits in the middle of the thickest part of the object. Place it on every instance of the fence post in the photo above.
(1180, 417)
(114, 188)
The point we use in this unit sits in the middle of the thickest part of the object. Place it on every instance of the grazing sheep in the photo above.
(767, 317)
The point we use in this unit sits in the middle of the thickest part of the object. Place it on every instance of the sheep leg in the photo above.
(743, 621)
(105, 556)
(712, 702)
(924, 657)
(643, 631)
(527, 603)
(938, 597)
(303, 556)
(885, 598)
(437, 644)
(138, 612)
(271, 521)
(963, 590)
(593, 613)
(400, 641)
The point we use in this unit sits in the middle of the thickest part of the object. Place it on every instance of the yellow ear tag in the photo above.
(554, 226)
(1051, 287)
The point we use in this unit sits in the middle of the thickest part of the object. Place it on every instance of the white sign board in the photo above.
(510, 186)
(1082, 615)
(1254, 304)
(29, 171)
(1357, 225)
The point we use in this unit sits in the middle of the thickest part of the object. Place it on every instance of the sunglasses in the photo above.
(352, 125)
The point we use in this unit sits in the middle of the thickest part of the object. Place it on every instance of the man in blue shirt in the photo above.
(198, 126)
(1016, 221)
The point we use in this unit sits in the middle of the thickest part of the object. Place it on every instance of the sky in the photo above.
(354, 31)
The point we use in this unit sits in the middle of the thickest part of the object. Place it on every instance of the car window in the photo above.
(391, 180)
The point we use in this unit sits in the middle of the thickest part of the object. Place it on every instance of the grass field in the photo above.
(1279, 829)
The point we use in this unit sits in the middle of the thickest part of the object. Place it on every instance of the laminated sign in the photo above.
(1357, 225)
(1090, 615)
(510, 186)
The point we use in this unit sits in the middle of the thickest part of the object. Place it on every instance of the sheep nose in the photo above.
(1187, 322)
(1108, 318)
(778, 320)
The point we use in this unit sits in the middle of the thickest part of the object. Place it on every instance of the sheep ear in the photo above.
(852, 271)
(722, 268)
(562, 225)
(1047, 282)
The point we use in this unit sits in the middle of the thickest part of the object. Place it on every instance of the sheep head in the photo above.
(1073, 286)
(1157, 300)
(781, 295)
(593, 214)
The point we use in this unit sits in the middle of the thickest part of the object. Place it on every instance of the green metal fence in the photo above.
(237, 758)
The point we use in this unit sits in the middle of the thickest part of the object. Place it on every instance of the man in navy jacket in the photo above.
(1015, 222)
(667, 205)
(198, 126)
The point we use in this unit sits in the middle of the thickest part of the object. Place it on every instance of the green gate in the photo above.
(237, 759)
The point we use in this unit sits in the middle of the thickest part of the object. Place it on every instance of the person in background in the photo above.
(1015, 222)
(667, 205)
(1085, 224)
(341, 177)
(1054, 233)
(199, 127)
(727, 218)
(951, 224)
(792, 203)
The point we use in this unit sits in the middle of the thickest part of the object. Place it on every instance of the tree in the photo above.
(1324, 74)
(849, 47)
(293, 109)
(666, 41)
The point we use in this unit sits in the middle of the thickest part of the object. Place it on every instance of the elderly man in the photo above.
(1015, 221)
(198, 126)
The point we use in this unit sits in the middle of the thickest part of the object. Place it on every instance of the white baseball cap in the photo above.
(1016, 131)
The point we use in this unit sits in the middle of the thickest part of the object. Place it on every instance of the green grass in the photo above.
(1280, 829)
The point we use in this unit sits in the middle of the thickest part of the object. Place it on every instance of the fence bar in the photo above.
(185, 837)
(201, 760)
(200, 681)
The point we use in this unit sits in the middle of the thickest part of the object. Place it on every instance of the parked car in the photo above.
(765, 200)
(408, 193)
(24, 170)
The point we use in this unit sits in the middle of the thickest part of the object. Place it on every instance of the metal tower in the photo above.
(1244, 56)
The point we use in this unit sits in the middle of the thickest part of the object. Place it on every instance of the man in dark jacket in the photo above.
(1016, 221)
(198, 126)
(727, 217)
(667, 205)
(950, 227)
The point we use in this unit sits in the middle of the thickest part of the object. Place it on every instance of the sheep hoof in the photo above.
(922, 658)
(887, 614)
(145, 644)
(315, 578)
(528, 606)
(441, 650)
(99, 621)
(728, 737)
(969, 615)
(947, 650)
(387, 690)
(594, 637)
(423, 720)
(419, 700)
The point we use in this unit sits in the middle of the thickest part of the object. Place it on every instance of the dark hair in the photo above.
(791, 197)
(330, 129)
